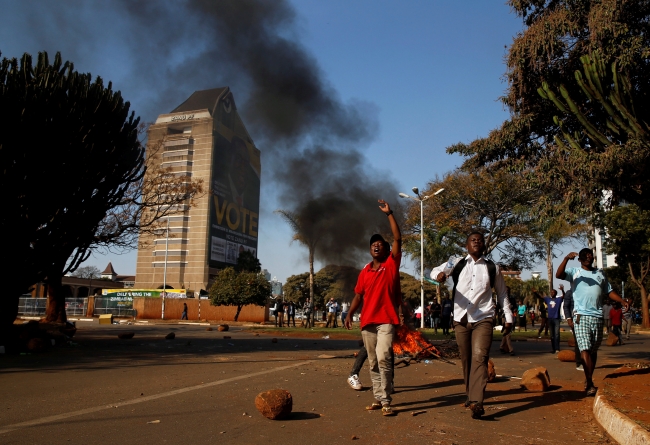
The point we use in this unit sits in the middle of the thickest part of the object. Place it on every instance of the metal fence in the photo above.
(108, 306)
(76, 306)
(33, 307)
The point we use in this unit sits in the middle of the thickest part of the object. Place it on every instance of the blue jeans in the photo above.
(554, 327)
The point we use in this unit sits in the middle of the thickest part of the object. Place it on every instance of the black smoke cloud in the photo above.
(312, 142)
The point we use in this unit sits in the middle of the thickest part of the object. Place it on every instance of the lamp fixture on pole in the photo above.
(421, 199)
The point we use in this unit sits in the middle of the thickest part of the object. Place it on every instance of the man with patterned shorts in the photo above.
(589, 287)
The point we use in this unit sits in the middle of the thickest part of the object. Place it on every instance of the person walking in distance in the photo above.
(474, 277)
(589, 287)
(280, 313)
(543, 319)
(436, 311)
(616, 315)
(447, 309)
(184, 314)
(345, 308)
(628, 319)
(307, 310)
(606, 320)
(553, 304)
(291, 314)
(378, 288)
(506, 344)
(331, 313)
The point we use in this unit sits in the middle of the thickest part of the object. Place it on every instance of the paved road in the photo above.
(201, 388)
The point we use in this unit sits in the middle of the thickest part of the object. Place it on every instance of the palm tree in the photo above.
(304, 233)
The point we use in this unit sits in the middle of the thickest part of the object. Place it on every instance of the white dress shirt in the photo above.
(473, 293)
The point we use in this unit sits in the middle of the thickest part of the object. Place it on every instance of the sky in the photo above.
(428, 73)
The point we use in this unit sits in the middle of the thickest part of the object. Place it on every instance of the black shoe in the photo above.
(591, 391)
(467, 403)
(477, 410)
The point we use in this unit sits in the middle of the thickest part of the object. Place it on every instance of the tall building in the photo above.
(204, 138)
(601, 257)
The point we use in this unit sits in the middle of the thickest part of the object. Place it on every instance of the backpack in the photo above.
(455, 274)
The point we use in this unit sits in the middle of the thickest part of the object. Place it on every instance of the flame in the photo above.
(413, 343)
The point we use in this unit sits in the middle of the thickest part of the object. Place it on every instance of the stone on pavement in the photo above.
(223, 327)
(274, 340)
(536, 379)
(170, 336)
(611, 339)
(37, 345)
(126, 335)
(571, 342)
(208, 329)
(274, 404)
(567, 356)
(492, 374)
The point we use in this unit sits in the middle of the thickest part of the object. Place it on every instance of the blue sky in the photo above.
(433, 71)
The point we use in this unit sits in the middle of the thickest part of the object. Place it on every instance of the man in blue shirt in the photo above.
(589, 288)
(553, 304)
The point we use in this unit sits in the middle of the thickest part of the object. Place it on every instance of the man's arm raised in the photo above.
(397, 235)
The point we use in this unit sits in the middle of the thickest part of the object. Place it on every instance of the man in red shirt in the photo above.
(378, 288)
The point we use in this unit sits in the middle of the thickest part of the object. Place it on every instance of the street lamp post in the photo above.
(421, 200)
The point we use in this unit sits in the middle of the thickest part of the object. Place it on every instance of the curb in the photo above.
(619, 426)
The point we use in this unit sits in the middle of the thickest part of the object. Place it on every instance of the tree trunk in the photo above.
(8, 314)
(55, 301)
(311, 275)
(239, 306)
(549, 265)
(438, 292)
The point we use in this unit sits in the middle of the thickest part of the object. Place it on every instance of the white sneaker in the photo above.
(580, 368)
(354, 382)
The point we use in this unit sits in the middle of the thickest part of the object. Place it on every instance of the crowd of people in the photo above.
(472, 312)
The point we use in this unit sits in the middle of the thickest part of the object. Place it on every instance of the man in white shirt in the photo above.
(607, 322)
(474, 310)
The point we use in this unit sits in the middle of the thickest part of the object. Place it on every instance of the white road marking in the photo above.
(81, 412)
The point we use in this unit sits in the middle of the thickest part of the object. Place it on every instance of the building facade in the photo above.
(204, 139)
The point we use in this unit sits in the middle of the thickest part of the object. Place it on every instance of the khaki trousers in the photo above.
(378, 340)
(474, 342)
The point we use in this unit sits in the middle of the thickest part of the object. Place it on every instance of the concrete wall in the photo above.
(151, 308)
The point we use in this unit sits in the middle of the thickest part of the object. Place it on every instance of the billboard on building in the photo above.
(235, 188)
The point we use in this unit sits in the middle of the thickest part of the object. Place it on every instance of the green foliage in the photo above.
(331, 281)
(296, 288)
(69, 151)
(336, 282)
(412, 290)
(232, 288)
(496, 204)
(590, 60)
(628, 237)
(87, 272)
(247, 262)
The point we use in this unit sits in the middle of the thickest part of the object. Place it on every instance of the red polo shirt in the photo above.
(381, 292)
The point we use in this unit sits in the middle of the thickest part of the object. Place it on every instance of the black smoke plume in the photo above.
(311, 141)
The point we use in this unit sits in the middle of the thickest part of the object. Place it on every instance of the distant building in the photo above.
(109, 273)
(601, 257)
(204, 138)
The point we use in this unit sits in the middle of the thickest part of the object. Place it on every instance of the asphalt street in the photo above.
(200, 388)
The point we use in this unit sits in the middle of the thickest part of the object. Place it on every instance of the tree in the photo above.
(232, 288)
(628, 237)
(87, 272)
(306, 232)
(296, 288)
(554, 231)
(411, 289)
(336, 282)
(81, 155)
(247, 262)
(77, 182)
(496, 204)
(534, 141)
